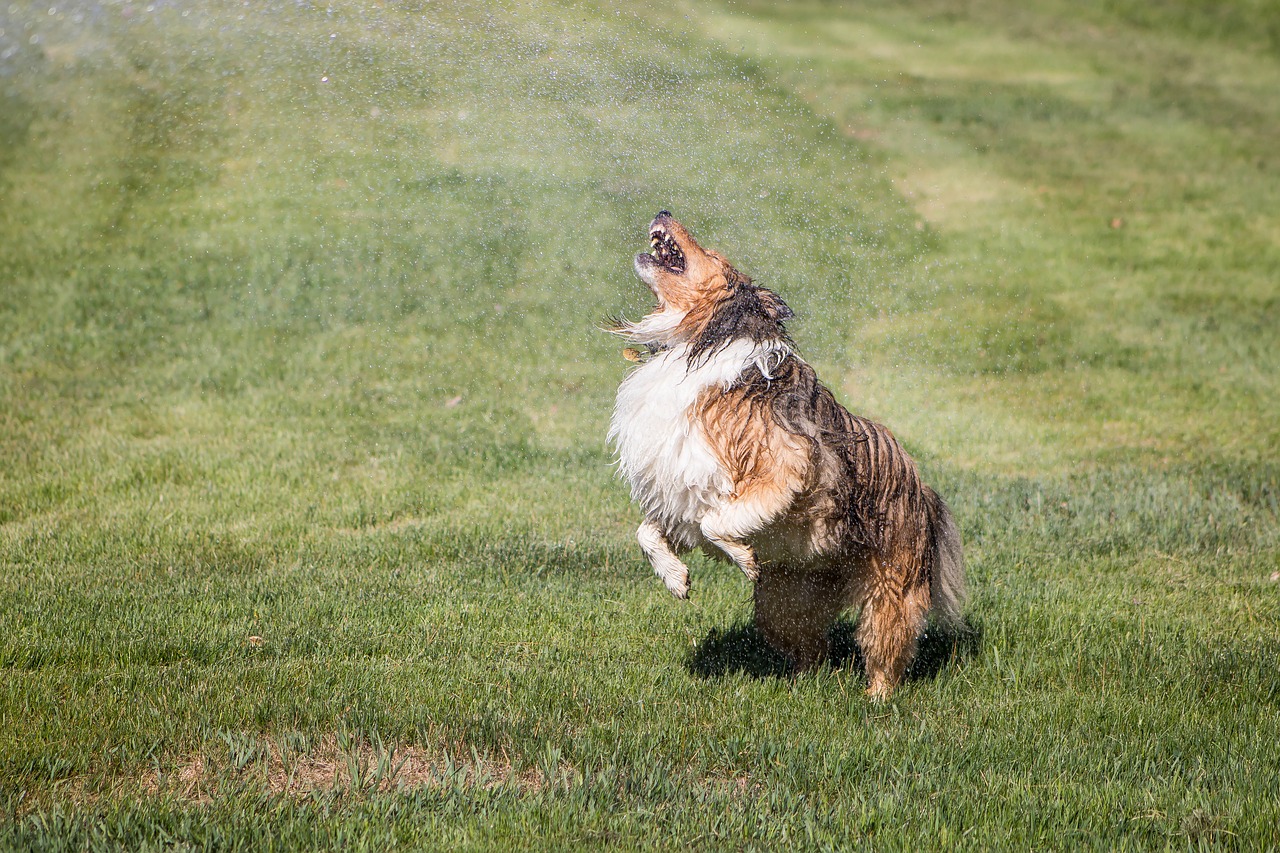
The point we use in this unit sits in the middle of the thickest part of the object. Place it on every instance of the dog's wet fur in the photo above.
(730, 443)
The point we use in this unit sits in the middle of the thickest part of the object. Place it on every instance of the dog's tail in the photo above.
(946, 587)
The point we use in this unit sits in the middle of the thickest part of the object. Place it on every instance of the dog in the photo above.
(731, 444)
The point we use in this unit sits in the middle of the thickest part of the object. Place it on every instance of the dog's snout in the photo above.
(662, 213)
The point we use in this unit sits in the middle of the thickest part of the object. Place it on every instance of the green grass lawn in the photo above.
(309, 536)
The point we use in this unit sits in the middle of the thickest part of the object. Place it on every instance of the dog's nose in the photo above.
(662, 213)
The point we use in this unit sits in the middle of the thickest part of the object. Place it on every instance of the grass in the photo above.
(308, 533)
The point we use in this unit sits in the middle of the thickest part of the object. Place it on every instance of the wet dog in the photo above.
(730, 443)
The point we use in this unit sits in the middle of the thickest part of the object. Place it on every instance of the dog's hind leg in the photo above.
(893, 617)
(795, 609)
(668, 566)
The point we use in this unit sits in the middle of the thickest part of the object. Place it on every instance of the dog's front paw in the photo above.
(742, 555)
(677, 583)
(746, 560)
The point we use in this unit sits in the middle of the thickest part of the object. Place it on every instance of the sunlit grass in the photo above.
(302, 403)
(1102, 198)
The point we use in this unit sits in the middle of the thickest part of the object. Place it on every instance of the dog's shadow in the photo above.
(742, 649)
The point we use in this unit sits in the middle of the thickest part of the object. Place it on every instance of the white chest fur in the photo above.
(663, 454)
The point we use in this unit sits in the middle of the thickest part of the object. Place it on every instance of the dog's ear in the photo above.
(773, 305)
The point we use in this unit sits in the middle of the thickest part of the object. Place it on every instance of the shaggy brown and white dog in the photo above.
(731, 443)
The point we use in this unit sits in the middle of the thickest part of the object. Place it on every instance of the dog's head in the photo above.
(682, 274)
(692, 281)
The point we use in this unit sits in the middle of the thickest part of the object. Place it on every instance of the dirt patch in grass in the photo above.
(336, 764)
(291, 766)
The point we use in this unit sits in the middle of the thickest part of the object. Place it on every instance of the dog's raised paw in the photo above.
(678, 585)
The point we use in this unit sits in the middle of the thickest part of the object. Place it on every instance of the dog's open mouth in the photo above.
(665, 250)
